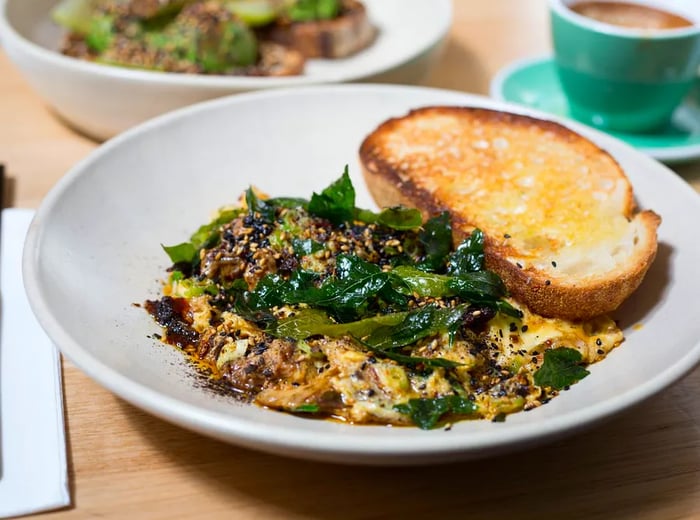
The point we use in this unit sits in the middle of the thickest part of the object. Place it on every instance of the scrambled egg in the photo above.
(486, 364)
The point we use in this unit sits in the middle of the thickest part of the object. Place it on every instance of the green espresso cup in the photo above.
(623, 78)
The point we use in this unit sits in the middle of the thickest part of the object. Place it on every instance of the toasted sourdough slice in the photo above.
(348, 33)
(557, 212)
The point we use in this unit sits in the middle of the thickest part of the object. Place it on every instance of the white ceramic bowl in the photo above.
(102, 100)
(94, 249)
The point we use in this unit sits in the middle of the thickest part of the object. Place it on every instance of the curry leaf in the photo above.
(418, 324)
(288, 202)
(415, 281)
(436, 238)
(208, 234)
(181, 253)
(337, 202)
(260, 206)
(400, 218)
(561, 368)
(469, 255)
(407, 360)
(311, 322)
(477, 286)
(356, 281)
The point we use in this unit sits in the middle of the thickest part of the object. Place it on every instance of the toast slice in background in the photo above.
(339, 37)
(558, 213)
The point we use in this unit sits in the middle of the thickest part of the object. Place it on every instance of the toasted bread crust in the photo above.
(339, 37)
(416, 172)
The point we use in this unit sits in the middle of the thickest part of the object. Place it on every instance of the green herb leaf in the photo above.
(356, 281)
(312, 322)
(181, 253)
(308, 10)
(418, 324)
(307, 408)
(400, 218)
(426, 413)
(208, 234)
(436, 238)
(337, 202)
(306, 247)
(257, 205)
(101, 33)
(469, 255)
(561, 368)
(410, 360)
(412, 280)
(288, 202)
(479, 286)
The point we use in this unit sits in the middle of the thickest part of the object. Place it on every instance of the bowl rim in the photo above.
(12, 38)
(339, 444)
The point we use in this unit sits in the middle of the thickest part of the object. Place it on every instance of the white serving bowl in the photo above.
(102, 100)
(94, 249)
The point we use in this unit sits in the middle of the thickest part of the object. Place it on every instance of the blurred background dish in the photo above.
(103, 100)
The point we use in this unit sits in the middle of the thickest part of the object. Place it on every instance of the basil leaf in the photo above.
(181, 253)
(400, 218)
(561, 368)
(312, 322)
(337, 202)
(426, 413)
(436, 238)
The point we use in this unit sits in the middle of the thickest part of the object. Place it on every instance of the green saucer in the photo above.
(534, 83)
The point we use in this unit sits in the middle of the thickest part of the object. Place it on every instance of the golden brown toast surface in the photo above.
(557, 211)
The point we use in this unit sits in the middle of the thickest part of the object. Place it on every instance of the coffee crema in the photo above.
(630, 15)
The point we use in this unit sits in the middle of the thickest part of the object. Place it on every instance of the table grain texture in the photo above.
(126, 464)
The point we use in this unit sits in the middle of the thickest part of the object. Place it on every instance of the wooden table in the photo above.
(124, 463)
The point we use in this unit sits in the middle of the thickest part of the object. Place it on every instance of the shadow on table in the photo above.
(689, 171)
(459, 69)
(641, 464)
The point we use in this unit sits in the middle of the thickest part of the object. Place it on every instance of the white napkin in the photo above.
(32, 438)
